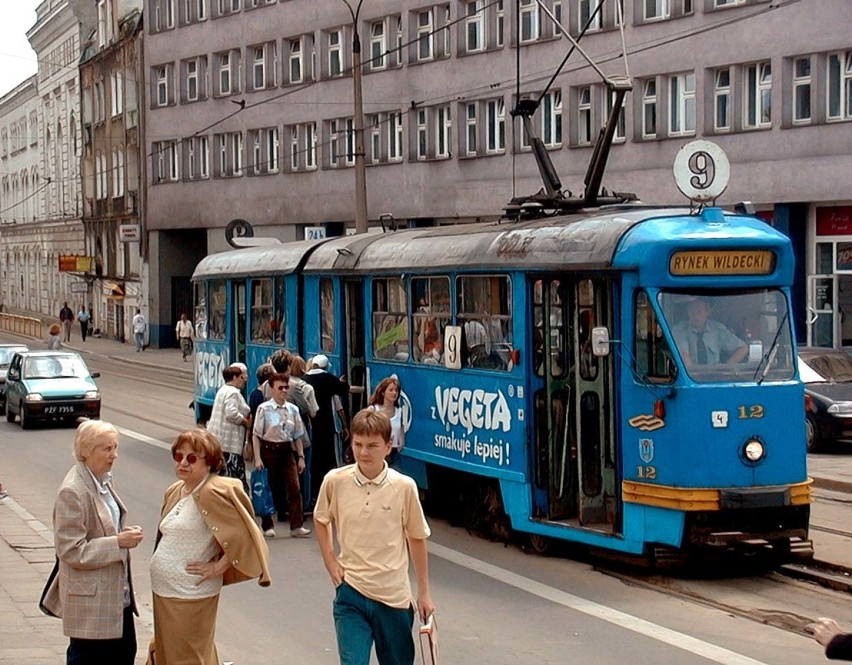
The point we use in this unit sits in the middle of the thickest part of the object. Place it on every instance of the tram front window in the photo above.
(731, 335)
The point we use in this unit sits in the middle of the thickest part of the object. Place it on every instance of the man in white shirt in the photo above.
(140, 325)
(184, 333)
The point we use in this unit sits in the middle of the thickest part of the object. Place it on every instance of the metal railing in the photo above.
(22, 325)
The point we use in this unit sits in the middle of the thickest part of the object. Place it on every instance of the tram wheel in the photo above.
(540, 544)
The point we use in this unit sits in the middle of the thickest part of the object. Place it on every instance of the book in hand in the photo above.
(429, 641)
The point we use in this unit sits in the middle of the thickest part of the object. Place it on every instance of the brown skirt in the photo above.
(184, 631)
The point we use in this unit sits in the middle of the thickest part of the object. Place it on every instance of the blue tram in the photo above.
(552, 369)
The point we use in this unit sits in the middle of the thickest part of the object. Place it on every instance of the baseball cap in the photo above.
(320, 360)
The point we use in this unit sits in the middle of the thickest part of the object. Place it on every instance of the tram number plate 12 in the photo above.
(719, 418)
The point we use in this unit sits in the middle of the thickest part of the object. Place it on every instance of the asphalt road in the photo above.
(496, 604)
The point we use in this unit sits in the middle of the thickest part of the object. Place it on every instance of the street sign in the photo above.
(79, 287)
(129, 232)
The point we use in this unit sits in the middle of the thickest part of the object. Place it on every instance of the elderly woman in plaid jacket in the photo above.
(93, 592)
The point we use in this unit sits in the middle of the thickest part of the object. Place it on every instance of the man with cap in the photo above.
(326, 386)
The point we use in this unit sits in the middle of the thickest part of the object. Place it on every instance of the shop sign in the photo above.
(79, 287)
(844, 256)
(834, 221)
(129, 232)
(70, 263)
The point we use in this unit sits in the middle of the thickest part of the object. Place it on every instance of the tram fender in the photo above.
(651, 524)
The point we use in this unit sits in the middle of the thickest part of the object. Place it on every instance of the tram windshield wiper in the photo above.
(766, 361)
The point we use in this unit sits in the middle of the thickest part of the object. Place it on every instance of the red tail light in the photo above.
(809, 404)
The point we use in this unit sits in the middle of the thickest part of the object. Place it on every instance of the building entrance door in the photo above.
(823, 313)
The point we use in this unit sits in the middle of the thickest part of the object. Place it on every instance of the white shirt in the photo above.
(139, 323)
(184, 329)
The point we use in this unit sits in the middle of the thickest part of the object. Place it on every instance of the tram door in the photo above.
(238, 322)
(575, 458)
(354, 356)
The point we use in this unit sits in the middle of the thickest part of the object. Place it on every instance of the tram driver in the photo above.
(705, 341)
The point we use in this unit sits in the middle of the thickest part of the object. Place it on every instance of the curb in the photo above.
(833, 485)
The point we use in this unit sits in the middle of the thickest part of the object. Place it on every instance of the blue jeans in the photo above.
(360, 621)
(140, 340)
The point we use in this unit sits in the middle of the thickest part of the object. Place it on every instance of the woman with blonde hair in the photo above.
(207, 538)
(385, 399)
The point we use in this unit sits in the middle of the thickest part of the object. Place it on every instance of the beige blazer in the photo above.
(88, 592)
(227, 511)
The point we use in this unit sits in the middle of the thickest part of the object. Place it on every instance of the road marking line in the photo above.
(622, 619)
(144, 438)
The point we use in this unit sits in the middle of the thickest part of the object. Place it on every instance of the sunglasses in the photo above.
(191, 458)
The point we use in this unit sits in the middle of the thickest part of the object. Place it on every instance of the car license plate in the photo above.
(59, 409)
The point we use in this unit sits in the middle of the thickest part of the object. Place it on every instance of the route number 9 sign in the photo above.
(701, 171)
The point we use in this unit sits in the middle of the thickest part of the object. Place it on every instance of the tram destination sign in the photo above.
(723, 262)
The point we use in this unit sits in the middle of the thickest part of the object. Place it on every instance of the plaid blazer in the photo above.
(88, 592)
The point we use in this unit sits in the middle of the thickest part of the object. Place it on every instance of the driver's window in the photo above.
(651, 350)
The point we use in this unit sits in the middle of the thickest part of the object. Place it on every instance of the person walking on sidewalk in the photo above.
(375, 513)
(184, 333)
(278, 435)
(140, 326)
(66, 318)
(93, 590)
(83, 317)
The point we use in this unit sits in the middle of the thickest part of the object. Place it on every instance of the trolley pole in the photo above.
(358, 121)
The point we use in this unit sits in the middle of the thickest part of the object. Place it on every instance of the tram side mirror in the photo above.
(600, 341)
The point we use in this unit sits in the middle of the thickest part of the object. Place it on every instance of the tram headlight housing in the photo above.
(754, 451)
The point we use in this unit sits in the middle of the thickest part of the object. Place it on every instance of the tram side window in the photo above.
(262, 311)
(216, 328)
(327, 315)
(484, 305)
(276, 323)
(549, 314)
(200, 319)
(431, 303)
(651, 350)
(390, 320)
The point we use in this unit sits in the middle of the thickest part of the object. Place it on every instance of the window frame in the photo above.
(755, 86)
(679, 104)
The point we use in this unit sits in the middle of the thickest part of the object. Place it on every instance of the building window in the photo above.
(682, 104)
(263, 66)
(203, 155)
(470, 129)
(341, 142)
(425, 36)
(303, 146)
(620, 131)
(394, 125)
(117, 92)
(840, 86)
(299, 69)
(722, 100)
(649, 109)
(378, 46)
(167, 155)
(191, 83)
(422, 135)
(500, 22)
(584, 115)
(551, 119)
(495, 126)
(757, 97)
(162, 76)
(444, 132)
(227, 73)
(385, 144)
(655, 9)
(335, 53)
(264, 144)
(118, 172)
(717, 4)
(237, 152)
(530, 21)
(589, 13)
(225, 7)
(474, 26)
(802, 90)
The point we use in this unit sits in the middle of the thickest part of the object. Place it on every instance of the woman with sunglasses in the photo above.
(207, 538)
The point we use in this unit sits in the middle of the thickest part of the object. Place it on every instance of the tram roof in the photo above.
(579, 241)
(283, 258)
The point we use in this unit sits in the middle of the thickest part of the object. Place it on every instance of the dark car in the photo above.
(827, 375)
(6, 353)
(50, 385)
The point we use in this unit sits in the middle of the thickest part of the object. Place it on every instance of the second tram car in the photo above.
(552, 370)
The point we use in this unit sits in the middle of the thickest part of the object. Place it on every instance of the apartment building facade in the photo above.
(111, 73)
(250, 116)
(45, 231)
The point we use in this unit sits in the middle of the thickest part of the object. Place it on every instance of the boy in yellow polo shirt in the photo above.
(376, 515)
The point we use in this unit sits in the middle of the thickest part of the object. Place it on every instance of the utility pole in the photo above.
(358, 121)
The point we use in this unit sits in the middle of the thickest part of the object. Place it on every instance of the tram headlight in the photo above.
(754, 450)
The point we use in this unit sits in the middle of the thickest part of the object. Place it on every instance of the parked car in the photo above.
(827, 375)
(6, 353)
(50, 385)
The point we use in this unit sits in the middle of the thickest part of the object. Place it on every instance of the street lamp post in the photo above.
(358, 120)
